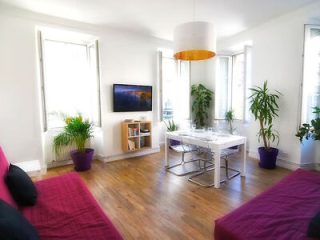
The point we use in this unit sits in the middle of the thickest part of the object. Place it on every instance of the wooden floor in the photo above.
(146, 202)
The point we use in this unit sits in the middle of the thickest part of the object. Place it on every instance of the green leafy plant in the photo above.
(229, 116)
(171, 126)
(202, 98)
(310, 130)
(77, 131)
(265, 108)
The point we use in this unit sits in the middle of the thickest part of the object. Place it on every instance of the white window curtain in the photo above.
(311, 72)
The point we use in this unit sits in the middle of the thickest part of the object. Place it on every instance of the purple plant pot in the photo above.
(82, 160)
(268, 158)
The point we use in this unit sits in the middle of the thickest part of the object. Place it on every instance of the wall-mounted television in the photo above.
(132, 98)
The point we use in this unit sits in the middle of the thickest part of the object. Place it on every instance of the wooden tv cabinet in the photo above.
(136, 135)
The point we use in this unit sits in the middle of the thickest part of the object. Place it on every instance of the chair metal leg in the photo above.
(193, 177)
(236, 172)
(210, 184)
(183, 163)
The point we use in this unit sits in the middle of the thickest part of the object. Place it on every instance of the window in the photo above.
(175, 87)
(232, 76)
(70, 78)
(223, 84)
(238, 85)
(311, 72)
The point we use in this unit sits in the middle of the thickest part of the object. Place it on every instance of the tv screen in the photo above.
(132, 98)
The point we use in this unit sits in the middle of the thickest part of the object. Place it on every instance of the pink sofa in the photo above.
(65, 209)
(283, 212)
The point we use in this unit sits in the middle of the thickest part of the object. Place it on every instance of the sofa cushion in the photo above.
(66, 204)
(4, 192)
(13, 225)
(21, 186)
(314, 227)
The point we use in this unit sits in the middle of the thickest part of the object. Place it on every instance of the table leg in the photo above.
(166, 152)
(244, 159)
(217, 168)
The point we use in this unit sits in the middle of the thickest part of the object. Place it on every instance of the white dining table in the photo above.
(215, 141)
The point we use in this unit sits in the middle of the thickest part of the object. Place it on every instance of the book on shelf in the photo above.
(133, 131)
(131, 145)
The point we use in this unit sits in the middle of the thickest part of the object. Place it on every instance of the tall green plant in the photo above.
(77, 131)
(265, 108)
(202, 98)
(229, 116)
(310, 130)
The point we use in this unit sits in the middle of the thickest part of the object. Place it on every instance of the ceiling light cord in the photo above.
(194, 10)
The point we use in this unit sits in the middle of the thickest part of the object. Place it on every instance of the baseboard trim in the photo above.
(55, 164)
(284, 163)
(122, 156)
(111, 158)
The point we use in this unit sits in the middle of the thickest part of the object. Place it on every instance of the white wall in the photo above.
(277, 56)
(125, 58)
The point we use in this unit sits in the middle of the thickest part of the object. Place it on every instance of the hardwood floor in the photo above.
(146, 202)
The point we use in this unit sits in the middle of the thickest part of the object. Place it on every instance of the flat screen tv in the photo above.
(132, 98)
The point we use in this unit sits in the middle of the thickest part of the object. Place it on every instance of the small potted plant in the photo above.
(310, 130)
(229, 116)
(265, 108)
(202, 98)
(76, 132)
(171, 127)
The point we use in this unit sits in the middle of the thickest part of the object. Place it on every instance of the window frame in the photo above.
(244, 83)
(41, 56)
(230, 83)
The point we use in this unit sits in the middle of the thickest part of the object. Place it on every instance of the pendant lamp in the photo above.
(194, 41)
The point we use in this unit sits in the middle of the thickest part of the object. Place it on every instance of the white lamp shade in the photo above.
(194, 41)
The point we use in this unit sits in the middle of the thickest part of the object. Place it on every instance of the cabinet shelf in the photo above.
(136, 135)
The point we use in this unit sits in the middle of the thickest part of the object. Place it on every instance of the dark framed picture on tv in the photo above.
(132, 98)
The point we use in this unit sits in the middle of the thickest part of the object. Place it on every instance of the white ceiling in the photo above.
(159, 17)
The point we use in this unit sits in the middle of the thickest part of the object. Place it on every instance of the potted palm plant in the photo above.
(265, 108)
(76, 132)
(200, 105)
